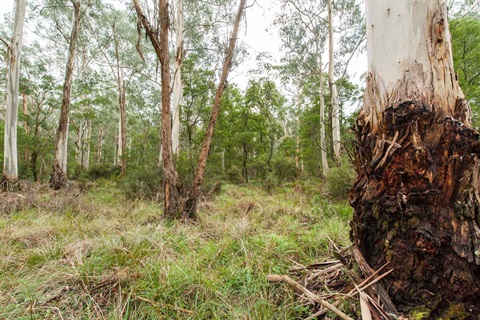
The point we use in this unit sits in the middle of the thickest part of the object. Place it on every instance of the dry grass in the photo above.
(92, 254)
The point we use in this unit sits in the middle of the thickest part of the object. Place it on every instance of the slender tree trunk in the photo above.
(323, 146)
(26, 154)
(59, 177)
(86, 145)
(177, 79)
(122, 126)
(333, 87)
(417, 197)
(10, 155)
(115, 150)
(202, 160)
(297, 151)
(99, 146)
(244, 163)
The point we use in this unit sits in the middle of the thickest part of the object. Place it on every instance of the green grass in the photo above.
(96, 255)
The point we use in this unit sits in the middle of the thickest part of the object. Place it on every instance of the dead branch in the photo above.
(272, 278)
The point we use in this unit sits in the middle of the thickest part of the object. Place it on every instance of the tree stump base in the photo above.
(417, 206)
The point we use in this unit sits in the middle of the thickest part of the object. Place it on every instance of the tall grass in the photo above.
(100, 256)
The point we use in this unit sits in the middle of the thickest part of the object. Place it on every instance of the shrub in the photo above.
(143, 184)
(340, 180)
(102, 170)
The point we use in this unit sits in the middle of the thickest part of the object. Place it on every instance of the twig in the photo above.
(367, 270)
(368, 279)
(310, 295)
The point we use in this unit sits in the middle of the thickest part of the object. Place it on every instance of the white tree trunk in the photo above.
(412, 60)
(119, 141)
(177, 80)
(62, 149)
(10, 157)
(333, 87)
(86, 144)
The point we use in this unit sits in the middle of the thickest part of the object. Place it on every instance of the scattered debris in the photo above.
(346, 287)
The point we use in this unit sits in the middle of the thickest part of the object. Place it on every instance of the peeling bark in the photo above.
(417, 198)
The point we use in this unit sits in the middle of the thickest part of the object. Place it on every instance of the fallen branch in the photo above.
(310, 295)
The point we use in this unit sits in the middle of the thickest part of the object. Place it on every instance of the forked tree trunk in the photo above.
(333, 87)
(59, 177)
(417, 197)
(173, 201)
(191, 206)
(10, 155)
(177, 79)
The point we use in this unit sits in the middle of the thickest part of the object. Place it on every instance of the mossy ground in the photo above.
(95, 255)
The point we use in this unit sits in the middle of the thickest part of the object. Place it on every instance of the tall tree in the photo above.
(10, 156)
(176, 203)
(171, 182)
(177, 78)
(302, 29)
(59, 176)
(333, 86)
(191, 207)
(416, 196)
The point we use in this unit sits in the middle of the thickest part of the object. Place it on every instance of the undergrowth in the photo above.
(96, 255)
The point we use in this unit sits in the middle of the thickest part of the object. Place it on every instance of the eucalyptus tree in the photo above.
(416, 196)
(115, 38)
(10, 155)
(59, 176)
(40, 89)
(333, 86)
(177, 77)
(176, 203)
(303, 32)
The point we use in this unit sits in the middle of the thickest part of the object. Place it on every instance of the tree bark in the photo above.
(323, 145)
(98, 158)
(177, 79)
(26, 154)
(333, 87)
(173, 200)
(416, 197)
(59, 177)
(191, 207)
(10, 155)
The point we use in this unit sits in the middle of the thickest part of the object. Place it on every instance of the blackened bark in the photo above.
(417, 205)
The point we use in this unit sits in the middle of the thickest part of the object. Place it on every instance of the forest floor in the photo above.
(93, 254)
